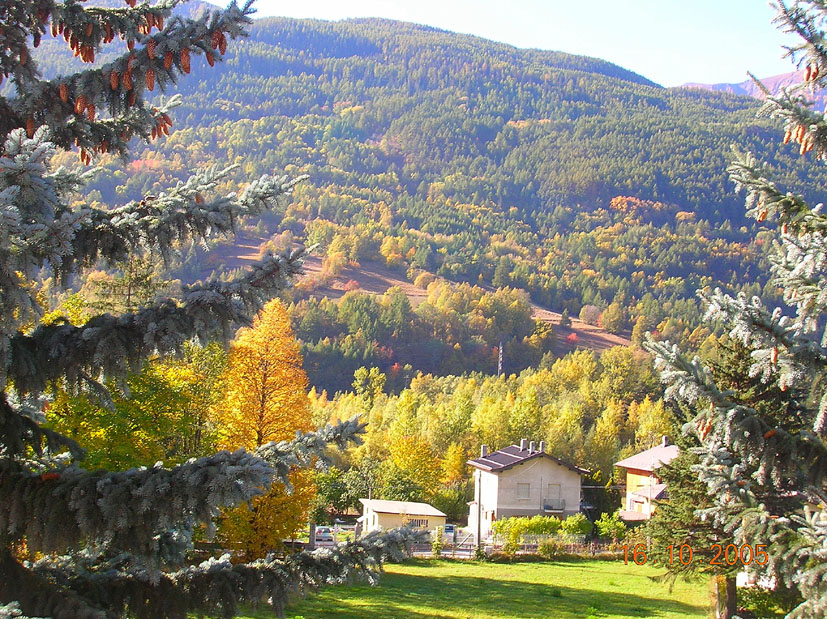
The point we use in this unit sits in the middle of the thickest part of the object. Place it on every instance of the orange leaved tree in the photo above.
(266, 401)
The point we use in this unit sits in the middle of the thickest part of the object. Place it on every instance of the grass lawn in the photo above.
(465, 589)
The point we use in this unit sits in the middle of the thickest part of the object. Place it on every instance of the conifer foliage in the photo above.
(765, 469)
(114, 543)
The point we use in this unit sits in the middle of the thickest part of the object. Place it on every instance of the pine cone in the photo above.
(168, 58)
(210, 59)
(222, 44)
(90, 112)
(113, 80)
(89, 29)
(150, 79)
(185, 60)
(80, 104)
(30, 126)
(126, 80)
(215, 39)
(24, 55)
(150, 48)
(63, 91)
(132, 98)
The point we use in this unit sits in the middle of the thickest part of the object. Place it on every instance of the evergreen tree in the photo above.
(765, 469)
(114, 543)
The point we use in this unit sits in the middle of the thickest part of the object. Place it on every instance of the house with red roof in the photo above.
(643, 486)
(521, 480)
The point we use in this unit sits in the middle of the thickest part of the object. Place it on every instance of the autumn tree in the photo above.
(266, 385)
(266, 400)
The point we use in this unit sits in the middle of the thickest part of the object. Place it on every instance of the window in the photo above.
(418, 522)
(553, 492)
(523, 491)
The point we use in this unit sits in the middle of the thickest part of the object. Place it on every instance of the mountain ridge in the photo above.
(430, 151)
(773, 84)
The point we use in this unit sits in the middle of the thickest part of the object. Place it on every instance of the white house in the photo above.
(643, 486)
(521, 480)
(380, 515)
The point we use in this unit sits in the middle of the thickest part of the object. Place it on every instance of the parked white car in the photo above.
(324, 534)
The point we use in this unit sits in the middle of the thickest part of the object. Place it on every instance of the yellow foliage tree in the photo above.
(413, 456)
(266, 384)
(454, 467)
(266, 401)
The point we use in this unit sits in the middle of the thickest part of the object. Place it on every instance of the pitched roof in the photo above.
(401, 507)
(512, 455)
(650, 459)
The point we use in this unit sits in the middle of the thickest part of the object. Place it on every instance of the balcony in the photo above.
(554, 506)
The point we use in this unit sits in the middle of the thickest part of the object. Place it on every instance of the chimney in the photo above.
(523, 444)
(542, 447)
(483, 451)
(664, 441)
(531, 447)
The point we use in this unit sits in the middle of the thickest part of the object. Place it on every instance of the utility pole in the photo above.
(479, 509)
(500, 359)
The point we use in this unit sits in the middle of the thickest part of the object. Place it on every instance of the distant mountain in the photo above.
(749, 88)
(571, 177)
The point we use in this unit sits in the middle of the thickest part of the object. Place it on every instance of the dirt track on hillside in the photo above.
(376, 279)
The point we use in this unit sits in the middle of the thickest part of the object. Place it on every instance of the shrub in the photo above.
(611, 526)
(512, 530)
(590, 314)
(577, 524)
(423, 279)
(551, 548)
(768, 603)
(436, 543)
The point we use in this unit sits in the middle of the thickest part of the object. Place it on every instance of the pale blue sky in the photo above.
(669, 41)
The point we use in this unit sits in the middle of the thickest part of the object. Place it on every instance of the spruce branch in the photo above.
(113, 346)
(71, 507)
(310, 447)
(125, 510)
(804, 18)
(21, 432)
(183, 213)
(38, 596)
(218, 586)
(71, 104)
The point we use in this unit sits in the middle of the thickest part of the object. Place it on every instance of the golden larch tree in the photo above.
(266, 401)
(266, 384)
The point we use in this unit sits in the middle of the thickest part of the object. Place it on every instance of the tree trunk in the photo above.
(726, 597)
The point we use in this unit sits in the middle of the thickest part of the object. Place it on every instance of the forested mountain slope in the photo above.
(567, 176)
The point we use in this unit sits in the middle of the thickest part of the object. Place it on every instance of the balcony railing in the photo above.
(554, 505)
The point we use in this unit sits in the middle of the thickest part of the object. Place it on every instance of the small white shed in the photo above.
(380, 515)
